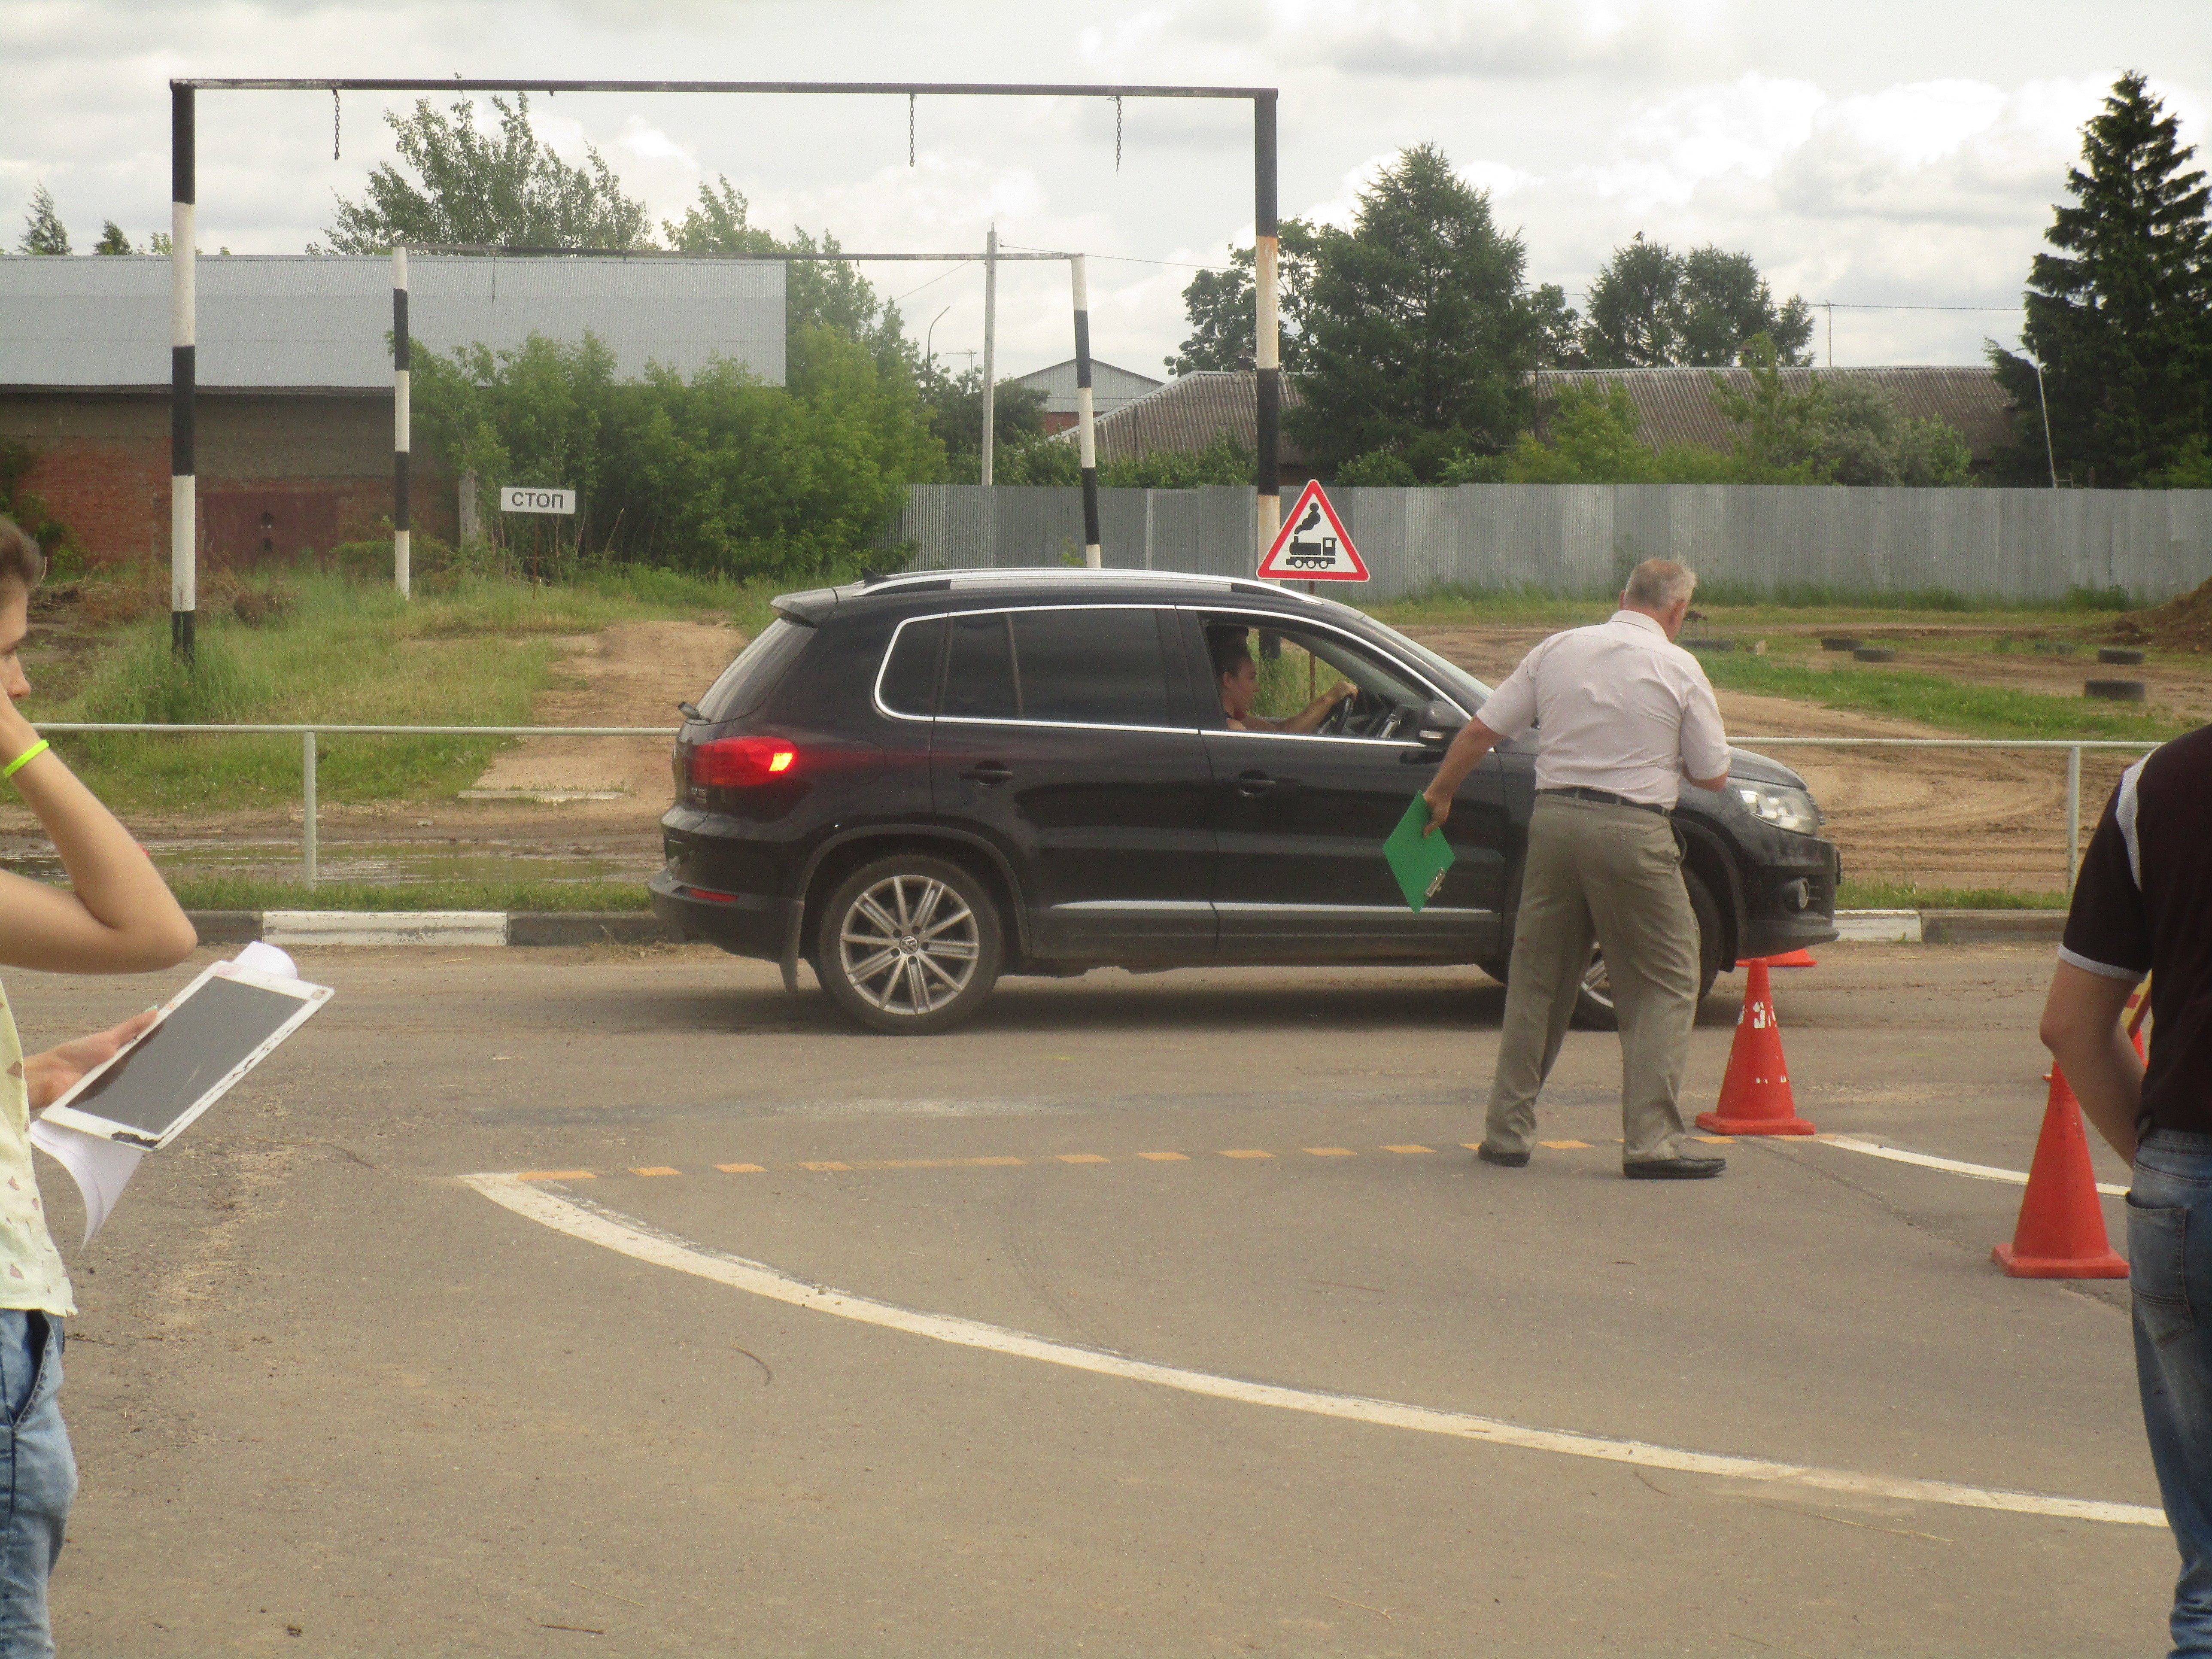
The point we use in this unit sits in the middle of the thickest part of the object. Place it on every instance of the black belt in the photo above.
(1606, 797)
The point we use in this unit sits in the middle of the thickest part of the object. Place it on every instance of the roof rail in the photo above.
(1049, 572)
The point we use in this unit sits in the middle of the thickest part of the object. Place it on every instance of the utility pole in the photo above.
(1829, 306)
(990, 343)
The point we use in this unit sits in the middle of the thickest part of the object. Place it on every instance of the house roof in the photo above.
(1188, 413)
(303, 323)
(1111, 386)
(1675, 406)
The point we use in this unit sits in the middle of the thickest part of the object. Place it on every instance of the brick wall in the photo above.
(289, 472)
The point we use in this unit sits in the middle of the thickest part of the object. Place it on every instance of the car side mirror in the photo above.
(1439, 724)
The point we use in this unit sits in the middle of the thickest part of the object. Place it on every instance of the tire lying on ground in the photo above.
(2115, 690)
(2119, 654)
(1874, 653)
(1830, 642)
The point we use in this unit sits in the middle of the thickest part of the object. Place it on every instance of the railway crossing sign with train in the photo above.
(1312, 546)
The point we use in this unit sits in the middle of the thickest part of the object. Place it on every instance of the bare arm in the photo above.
(1473, 741)
(117, 915)
(2082, 1029)
(1714, 784)
(1314, 712)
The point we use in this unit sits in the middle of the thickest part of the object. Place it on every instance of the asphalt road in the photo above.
(328, 1398)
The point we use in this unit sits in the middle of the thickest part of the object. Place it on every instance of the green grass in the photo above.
(1973, 711)
(353, 653)
(243, 893)
(1855, 895)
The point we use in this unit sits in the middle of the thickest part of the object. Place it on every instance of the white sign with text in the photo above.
(521, 498)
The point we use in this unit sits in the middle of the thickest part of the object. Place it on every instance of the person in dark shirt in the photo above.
(2143, 905)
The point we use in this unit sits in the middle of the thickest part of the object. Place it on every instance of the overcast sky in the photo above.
(1878, 153)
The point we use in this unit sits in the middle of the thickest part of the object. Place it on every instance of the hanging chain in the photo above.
(909, 130)
(334, 123)
(1117, 132)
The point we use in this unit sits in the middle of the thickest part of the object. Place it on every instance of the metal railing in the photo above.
(309, 734)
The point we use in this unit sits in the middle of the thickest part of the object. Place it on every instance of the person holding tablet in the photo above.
(116, 916)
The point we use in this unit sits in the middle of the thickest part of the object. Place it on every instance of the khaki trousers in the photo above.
(1613, 875)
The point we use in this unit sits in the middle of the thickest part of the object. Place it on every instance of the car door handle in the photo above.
(1256, 783)
(989, 773)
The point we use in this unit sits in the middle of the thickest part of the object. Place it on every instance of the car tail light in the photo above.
(740, 763)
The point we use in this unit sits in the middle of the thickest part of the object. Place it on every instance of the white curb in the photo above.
(287, 928)
(1879, 926)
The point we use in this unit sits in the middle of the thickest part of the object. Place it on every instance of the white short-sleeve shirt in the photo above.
(1618, 707)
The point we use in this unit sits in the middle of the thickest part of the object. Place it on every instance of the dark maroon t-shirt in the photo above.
(2143, 905)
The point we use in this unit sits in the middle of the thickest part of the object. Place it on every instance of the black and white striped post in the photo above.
(184, 373)
(1085, 446)
(400, 396)
(1267, 354)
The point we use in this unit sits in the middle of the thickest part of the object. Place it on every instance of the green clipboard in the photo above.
(1418, 861)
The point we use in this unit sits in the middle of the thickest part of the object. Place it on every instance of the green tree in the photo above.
(502, 190)
(113, 240)
(1863, 436)
(2120, 316)
(1224, 312)
(1418, 327)
(43, 230)
(1651, 307)
(818, 293)
(954, 406)
(1053, 461)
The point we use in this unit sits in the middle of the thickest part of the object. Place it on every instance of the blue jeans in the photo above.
(37, 1479)
(2170, 1265)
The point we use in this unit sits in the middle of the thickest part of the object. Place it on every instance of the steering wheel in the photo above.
(1338, 721)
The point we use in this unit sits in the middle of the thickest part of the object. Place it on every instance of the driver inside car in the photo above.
(1238, 679)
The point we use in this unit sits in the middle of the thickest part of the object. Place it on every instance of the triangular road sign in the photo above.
(1312, 546)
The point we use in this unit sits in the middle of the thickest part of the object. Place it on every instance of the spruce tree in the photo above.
(43, 230)
(2120, 316)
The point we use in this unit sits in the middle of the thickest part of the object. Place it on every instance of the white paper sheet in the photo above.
(102, 1167)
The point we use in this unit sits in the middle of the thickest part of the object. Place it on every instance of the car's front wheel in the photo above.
(909, 945)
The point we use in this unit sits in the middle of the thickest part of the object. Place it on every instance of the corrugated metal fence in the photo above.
(1579, 538)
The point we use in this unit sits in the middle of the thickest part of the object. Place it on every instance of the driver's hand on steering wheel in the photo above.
(1340, 690)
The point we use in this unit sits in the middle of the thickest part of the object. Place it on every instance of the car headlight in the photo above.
(1782, 807)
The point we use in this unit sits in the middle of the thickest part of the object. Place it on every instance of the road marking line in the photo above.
(1716, 1140)
(1409, 1149)
(1248, 1154)
(1080, 1157)
(742, 1169)
(1331, 1151)
(556, 1175)
(825, 1166)
(1164, 1158)
(1949, 1165)
(580, 1218)
(999, 1163)
(656, 1169)
(1567, 1146)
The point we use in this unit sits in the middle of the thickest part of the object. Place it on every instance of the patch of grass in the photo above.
(1973, 711)
(1855, 895)
(358, 655)
(244, 893)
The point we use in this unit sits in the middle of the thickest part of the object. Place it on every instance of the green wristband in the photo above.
(23, 759)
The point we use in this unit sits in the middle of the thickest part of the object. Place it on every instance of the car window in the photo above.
(979, 677)
(745, 684)
(908, 683)
(1297, 664)
(1093, 665)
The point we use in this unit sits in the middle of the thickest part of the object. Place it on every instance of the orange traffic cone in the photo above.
(2062, 1225)
(1755, 1097)
(1798, 958)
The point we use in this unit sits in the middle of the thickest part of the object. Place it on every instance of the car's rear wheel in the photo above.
(1594, 1007)
(909, 945)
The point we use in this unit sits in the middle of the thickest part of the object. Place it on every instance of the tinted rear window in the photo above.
(1092, 666)
(910, 680)
(979, 679)
(745, 684)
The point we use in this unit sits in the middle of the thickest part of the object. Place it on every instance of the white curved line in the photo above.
(581, 1218)
(1949, 1165)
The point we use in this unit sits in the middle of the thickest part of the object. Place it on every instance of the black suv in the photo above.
(919, 783)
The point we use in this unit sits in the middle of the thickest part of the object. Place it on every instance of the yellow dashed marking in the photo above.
(999, 1163)
(1080, 1157)
(657, 1169)
(1331, 1151)
(1409, 1149)
(1716, 1140)
(556, 1175)
(1164, 1158)
(825, 1166)
(742, 1169)
(1248, 1154)
(1567, 1146)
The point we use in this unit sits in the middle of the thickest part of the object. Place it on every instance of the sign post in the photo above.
(527, 498)
(1312, 546)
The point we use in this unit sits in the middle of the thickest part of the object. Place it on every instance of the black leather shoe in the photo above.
(1489, 1154)
(1674, 1168)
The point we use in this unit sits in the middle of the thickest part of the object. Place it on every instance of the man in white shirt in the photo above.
(1623, 714)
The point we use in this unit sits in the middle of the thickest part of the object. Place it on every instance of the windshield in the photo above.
(1463, 688)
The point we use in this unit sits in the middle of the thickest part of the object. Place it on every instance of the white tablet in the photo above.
(210, 1035)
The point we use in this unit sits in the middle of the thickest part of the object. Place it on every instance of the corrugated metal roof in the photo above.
(1111, 387)
(1188, 413)
(1676, 404)
(298, 322)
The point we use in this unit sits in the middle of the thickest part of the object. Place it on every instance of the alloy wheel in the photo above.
(908, 944)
